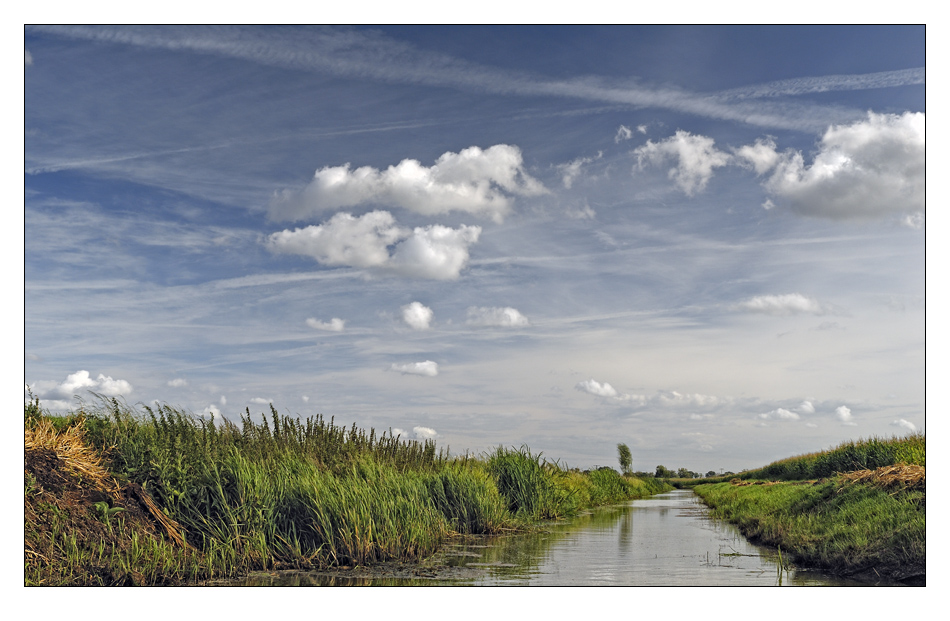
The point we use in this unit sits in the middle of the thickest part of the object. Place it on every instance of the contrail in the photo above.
(372, 55)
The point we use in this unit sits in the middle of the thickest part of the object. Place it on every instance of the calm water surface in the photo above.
(666, 540)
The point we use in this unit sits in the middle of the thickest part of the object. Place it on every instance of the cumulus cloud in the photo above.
(761, 156)
(624, 133)
(28, 58)
(843, 414)
(594, 387)
(178, 382)
(473, 180)
(343, 240)
(427, 368)
(81, 382)
(904, 424)
(788, 304)
(668, 399)
(424, 433)
(806, 407)
(672, 398)
(779, 414)
(506, 317)
(433, 252)
(695, 159)
(334, 325)
(868, 169)
(417, 316)
(211, 412)
(260, 401)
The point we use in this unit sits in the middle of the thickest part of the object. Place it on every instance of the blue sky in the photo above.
(707, 243)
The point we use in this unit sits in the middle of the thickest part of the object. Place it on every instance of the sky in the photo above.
(704, 242)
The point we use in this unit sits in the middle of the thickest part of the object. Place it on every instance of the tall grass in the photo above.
(281, 492)
(846, 457)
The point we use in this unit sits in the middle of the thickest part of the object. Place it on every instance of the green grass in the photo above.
(304, 494)
(849, 456)
(841, 527)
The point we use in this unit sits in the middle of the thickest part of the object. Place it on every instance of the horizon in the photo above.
(684, 239)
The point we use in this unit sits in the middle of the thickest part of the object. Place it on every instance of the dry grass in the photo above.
(70, 446)
(902, 476)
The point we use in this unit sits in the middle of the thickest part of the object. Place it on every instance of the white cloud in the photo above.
(788, 304)
(779, 414)
(762, 155)
(396, 432)
(28, 58)
(417, 316)
(334, 325)
(904, 424)
(343, 240)
(211, 412)
(473, 180)
(806, 407)
(81, 382)
(260, 401)
(571, 170)
(424, 433)
(581, 213)
(695, 157)
(427, 368)
(676, 399)
(642, 129)
(594, 387)
(433, 252)
(867, 169)
(506, 317)
(843, 414)
(913, 220)
(624, 133)
(178, 382)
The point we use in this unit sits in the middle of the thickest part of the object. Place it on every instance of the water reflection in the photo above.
(668, 539)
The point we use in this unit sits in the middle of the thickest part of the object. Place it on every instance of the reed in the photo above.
(225, 499)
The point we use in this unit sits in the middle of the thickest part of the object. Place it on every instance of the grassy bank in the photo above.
(116, 496)
(864, 517)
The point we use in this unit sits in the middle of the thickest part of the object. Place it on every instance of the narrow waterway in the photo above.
(666, 540)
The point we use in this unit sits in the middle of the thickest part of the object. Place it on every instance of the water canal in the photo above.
(666, 540)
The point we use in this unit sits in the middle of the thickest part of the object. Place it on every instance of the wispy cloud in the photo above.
(785, 304)
(370, 54)
(506, 317)
(426, 369)
(334, 325)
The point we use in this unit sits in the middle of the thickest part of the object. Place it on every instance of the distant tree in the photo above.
(662, 472)
(683, 473)
(626, 459)
(711, 473)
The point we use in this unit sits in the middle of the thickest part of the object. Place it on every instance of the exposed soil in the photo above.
(58, 503)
